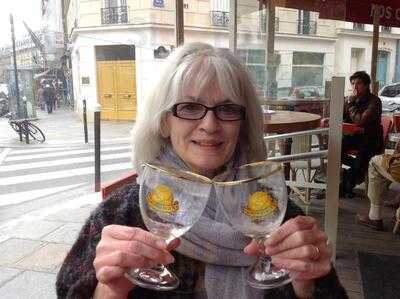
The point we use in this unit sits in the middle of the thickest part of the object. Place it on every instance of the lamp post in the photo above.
(15, 67)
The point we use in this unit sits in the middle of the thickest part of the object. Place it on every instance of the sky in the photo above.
(22, 10)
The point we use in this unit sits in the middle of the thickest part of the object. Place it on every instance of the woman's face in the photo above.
(208, 143)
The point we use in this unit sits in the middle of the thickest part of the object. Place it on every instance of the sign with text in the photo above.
(363, 12)
(357, 11)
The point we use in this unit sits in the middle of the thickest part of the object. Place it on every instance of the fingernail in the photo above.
(162, 244)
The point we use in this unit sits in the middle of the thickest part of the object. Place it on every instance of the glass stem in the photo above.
(265, 263)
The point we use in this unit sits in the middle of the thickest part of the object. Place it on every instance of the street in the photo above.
(46, 193)
(34, 178)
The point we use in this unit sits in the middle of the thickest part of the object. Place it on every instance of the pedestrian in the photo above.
(40, 99)
(48, 95)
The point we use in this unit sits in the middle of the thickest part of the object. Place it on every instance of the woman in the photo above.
(203, 116)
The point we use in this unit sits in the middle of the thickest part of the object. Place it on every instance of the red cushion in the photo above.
(352, 152)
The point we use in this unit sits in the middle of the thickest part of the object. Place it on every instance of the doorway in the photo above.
(116, 82)
(381, 71)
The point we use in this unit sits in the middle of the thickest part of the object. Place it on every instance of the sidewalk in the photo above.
(34, 245)
(64, 127)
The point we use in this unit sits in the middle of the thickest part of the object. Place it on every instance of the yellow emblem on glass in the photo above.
(161, 199)
(259, 205)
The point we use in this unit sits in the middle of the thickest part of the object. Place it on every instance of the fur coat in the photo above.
(77, 278)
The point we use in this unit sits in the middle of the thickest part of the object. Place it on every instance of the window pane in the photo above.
(256, 56)
(301, 58)
(307, 76)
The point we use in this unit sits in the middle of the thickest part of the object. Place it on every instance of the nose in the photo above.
(210, 122)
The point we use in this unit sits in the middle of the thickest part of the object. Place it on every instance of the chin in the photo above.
(208, 168)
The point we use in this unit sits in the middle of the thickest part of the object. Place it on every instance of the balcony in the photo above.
(307, 27)
(264, 24)
(114, 15)
(358, 27)
(220, 18)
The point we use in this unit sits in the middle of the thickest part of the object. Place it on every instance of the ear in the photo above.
(165, 126)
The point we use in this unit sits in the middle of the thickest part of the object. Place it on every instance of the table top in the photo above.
(290, 121)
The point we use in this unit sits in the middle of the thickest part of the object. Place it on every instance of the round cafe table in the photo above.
(290, 121)
(281, 122)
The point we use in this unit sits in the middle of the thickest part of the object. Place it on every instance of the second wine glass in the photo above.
(255, 205)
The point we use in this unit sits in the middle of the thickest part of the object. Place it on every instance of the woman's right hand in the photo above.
(124, 247)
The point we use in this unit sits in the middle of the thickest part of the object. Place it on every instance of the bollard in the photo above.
(97, 173)
(85, 130)
(26, 128)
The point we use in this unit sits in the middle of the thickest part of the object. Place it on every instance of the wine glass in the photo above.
(255, 205)
(171, 201)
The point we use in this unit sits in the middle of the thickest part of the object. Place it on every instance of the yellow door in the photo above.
(116, 84)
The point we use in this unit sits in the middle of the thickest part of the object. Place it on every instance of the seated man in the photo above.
(363, 109)
(381, 173)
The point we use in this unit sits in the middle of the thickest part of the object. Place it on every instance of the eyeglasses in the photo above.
(196, 111)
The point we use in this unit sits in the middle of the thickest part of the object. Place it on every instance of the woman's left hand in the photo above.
(299, 246)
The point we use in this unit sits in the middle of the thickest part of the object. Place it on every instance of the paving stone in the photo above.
(12, 250)
(7, 274)
(64, 234)
(47, 258)
(33, 229)
(30, 284)
(77, 215)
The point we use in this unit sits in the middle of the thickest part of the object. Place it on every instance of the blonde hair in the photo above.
(201, 64)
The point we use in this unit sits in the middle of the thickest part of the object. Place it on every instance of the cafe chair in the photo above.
(308, 168)
(109, 187)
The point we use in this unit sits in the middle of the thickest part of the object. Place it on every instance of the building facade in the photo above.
(125, 41)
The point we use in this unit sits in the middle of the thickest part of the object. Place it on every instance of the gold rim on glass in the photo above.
(191, 176)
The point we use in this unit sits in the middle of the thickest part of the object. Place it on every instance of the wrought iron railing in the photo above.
(114, 15)
(220, 18)
(307, 27)
(358, 27)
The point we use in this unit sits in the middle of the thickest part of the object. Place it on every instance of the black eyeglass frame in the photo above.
(214, 109)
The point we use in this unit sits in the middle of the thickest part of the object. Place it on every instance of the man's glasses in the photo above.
(195, 111)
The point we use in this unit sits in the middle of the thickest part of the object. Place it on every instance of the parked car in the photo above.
(306, 95)
(390, 97)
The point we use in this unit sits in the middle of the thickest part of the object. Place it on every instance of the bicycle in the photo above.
(23, 126)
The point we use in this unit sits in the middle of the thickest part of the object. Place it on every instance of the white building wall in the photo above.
(343, 55)
(286, 45)
(147, 67)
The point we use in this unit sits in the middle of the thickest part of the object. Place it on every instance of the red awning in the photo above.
(359, 11)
